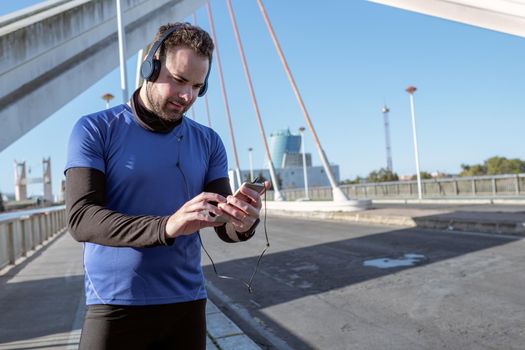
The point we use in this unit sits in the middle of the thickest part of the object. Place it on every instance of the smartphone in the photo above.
(221, 218)
(256, 185)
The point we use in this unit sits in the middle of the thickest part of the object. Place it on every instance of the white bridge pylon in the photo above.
(506, 16)
(21, 180)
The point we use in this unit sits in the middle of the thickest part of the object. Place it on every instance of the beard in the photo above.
(160, 106)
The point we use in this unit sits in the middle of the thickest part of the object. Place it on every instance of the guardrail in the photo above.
(476, 187)
(21, 235)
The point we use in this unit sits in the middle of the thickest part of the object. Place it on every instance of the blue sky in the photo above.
(348, 58)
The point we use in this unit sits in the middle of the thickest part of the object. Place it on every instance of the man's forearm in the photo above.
(90, 221)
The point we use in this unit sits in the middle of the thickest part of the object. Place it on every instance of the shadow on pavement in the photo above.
(319, 268)
(38, 297)
(38, 308)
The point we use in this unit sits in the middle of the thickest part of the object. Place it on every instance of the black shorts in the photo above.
(170, 326)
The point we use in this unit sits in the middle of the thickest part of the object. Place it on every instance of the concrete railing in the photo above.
(476, 187)
(21, 235)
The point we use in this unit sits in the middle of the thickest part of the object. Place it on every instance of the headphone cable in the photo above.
(250, 281)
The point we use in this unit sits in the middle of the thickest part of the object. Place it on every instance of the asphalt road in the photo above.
(314, 290)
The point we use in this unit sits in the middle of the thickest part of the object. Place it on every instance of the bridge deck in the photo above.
(42, 303)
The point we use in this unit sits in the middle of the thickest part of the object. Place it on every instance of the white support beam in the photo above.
(506, 16)
(52, 52)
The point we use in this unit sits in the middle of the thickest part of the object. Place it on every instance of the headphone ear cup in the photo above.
(146, 69)
(204, 88)
(155, 70)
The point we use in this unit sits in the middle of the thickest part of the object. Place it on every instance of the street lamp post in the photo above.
(122, 53)
(411, 90)
(306, 197)
(107, 97)
(251, 163)
(389, 166)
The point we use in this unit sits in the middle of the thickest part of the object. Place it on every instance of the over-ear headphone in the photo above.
(150, 68)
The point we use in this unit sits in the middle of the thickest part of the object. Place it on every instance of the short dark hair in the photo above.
(187, 35)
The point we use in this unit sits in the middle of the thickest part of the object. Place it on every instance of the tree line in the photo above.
(491, 166)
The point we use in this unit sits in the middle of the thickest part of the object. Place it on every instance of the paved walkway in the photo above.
(42, 303)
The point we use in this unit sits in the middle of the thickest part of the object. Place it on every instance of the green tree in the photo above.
(494, 166)
(425, 175)
(350, 182)
(502, 165)
(382, 175)
(473, 170)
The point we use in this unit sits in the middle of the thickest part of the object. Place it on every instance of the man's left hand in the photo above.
(243, 207)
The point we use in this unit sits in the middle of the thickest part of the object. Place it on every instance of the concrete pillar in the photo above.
(11, 243)
(20, 181)
(46, 179)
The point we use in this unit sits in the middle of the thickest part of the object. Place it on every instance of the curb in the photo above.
(253, 325)
(503, 201)
(507, 227)
(223, 334)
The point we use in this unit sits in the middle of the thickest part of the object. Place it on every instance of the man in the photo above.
(142, 180)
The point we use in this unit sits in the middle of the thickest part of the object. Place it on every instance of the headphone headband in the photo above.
(160, 41)
(150, 68)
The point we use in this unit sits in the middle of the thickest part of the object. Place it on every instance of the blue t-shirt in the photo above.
(147, 173)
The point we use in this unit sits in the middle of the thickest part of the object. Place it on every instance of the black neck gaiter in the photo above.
(149, 120)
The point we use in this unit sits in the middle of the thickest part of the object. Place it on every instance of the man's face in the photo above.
(181, 77)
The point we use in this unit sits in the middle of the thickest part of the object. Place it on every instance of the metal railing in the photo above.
(476, 187)
(21, 234)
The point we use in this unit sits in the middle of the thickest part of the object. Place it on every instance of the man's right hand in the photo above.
(194, 215)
